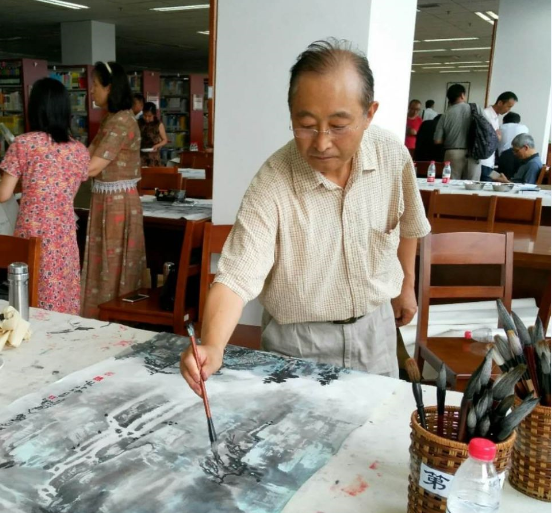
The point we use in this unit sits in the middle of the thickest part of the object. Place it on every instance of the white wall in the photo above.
(522, 63)
(257, 43)
(433, 86)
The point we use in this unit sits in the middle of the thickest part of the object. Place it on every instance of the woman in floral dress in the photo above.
(153, 135)
(115, 254)
(51, 167)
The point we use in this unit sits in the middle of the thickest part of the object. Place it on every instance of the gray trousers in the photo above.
(369, 345)
(462, 167)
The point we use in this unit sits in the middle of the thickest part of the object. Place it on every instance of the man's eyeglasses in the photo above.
(333, 133)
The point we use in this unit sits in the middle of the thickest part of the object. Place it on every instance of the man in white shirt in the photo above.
(428, 114)
(494, 114)
(511, 127)
(137, 105)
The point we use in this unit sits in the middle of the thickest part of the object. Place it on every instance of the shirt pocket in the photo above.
(384, 246)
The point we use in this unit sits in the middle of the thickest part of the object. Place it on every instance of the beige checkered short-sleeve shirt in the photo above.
(315, 251)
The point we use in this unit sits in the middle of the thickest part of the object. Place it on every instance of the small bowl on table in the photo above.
(502, 187)
(473, 186)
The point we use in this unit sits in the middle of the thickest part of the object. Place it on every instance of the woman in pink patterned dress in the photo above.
(51, 166)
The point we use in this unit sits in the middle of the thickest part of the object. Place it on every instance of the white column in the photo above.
(86, 42)
(522, 64)
(258, 42)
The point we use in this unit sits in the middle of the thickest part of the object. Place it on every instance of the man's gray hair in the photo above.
(327, 55)
(522, 140)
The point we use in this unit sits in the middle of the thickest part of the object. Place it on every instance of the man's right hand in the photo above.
(210, 360)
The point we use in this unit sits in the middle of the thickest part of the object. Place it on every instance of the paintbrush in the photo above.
(471, 422)
(538, 330)
(504, 317)
(543, 354)
(441, 395)
(415, 377)
(522, 331)
(502, 346)
(497, 357)
(504, 385)
(511, 421)
(500, 411)
(473, 387)
(210, 425)
(519, 358)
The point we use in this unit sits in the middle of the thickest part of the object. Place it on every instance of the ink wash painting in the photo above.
(128, 435)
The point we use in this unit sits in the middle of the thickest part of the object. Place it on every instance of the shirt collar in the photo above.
(305, 178)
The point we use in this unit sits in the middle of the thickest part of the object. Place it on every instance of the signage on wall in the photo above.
(197, 102)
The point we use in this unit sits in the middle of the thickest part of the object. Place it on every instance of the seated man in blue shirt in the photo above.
(524, 150)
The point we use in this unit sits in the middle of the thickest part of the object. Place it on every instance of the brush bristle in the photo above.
(505, 318)
(515, 344)
(497, 357)
(441, 382)
(523, 333)
(503, 347)
(412, 370)
(538, 330)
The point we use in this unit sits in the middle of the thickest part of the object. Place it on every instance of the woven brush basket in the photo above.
(530, 473)
(443, 454)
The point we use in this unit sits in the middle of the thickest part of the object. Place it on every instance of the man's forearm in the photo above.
(223, 310)
(407, 258)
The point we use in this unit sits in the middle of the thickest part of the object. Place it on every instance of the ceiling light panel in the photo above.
(451, 39)
(429, 51)
(492, 15)
(180, 8)
(67, 5)
(468, 49)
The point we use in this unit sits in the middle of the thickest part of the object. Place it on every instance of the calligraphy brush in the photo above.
(210, 425)
(517, 352)
(441, 395)
(543, 354)
(505, 317)
(511, 421)
(415, 377)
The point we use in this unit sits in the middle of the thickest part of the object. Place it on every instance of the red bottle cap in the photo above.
(467, 334)
(447, 162)
(482, 449)
(432, 162)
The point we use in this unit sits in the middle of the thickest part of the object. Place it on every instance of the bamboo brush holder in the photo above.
(530, 473)
(437, 458)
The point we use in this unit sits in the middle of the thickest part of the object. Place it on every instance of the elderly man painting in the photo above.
(524, 150)
(326, 232)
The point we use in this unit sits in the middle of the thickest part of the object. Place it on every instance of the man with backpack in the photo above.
(453, 131)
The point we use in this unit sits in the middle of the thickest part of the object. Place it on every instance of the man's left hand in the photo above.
(404, 306)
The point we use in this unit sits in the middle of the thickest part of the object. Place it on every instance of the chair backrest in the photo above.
(160, 177)
(463, 248)
(193, 239)
(16, 249)
(544, 175)
(422, 165)
(518, 210)
(426, 198)
(213, 241)
(202, 189)
(196, 159)
(463, 206)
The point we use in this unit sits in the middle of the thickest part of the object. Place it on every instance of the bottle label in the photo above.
(446, 179)
(430, 178)
(439, 482)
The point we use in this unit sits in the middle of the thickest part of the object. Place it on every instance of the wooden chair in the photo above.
(16, 249)
(149, 311)
(160, 177)
(518, 210)
(422, 165)
(213, 241)
(459, 249)
(462, 206)
(202, 189)
(544, 175)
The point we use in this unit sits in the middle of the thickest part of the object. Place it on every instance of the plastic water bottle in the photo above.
(431, 172)
(480, 335)
(446, 173)
(476, 486)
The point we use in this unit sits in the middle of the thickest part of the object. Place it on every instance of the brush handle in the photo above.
(212, 432)
(462, 422)
(202, 383)
(417, 391)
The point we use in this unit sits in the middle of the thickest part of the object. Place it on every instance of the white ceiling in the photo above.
(170, 42)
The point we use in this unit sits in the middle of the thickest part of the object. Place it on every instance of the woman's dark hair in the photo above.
(150, 107)
(454, 92)
(50, 109)
(113, 74)
(327, 55)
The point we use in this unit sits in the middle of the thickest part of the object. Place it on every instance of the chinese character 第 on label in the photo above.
(435, 481)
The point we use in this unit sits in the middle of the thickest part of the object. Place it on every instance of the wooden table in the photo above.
(368, 473)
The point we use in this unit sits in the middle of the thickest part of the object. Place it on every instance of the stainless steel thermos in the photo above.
(18, 279)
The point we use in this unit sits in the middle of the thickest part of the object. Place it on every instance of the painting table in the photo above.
(134, 446)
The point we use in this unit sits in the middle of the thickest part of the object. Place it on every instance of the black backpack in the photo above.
(482, 138)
